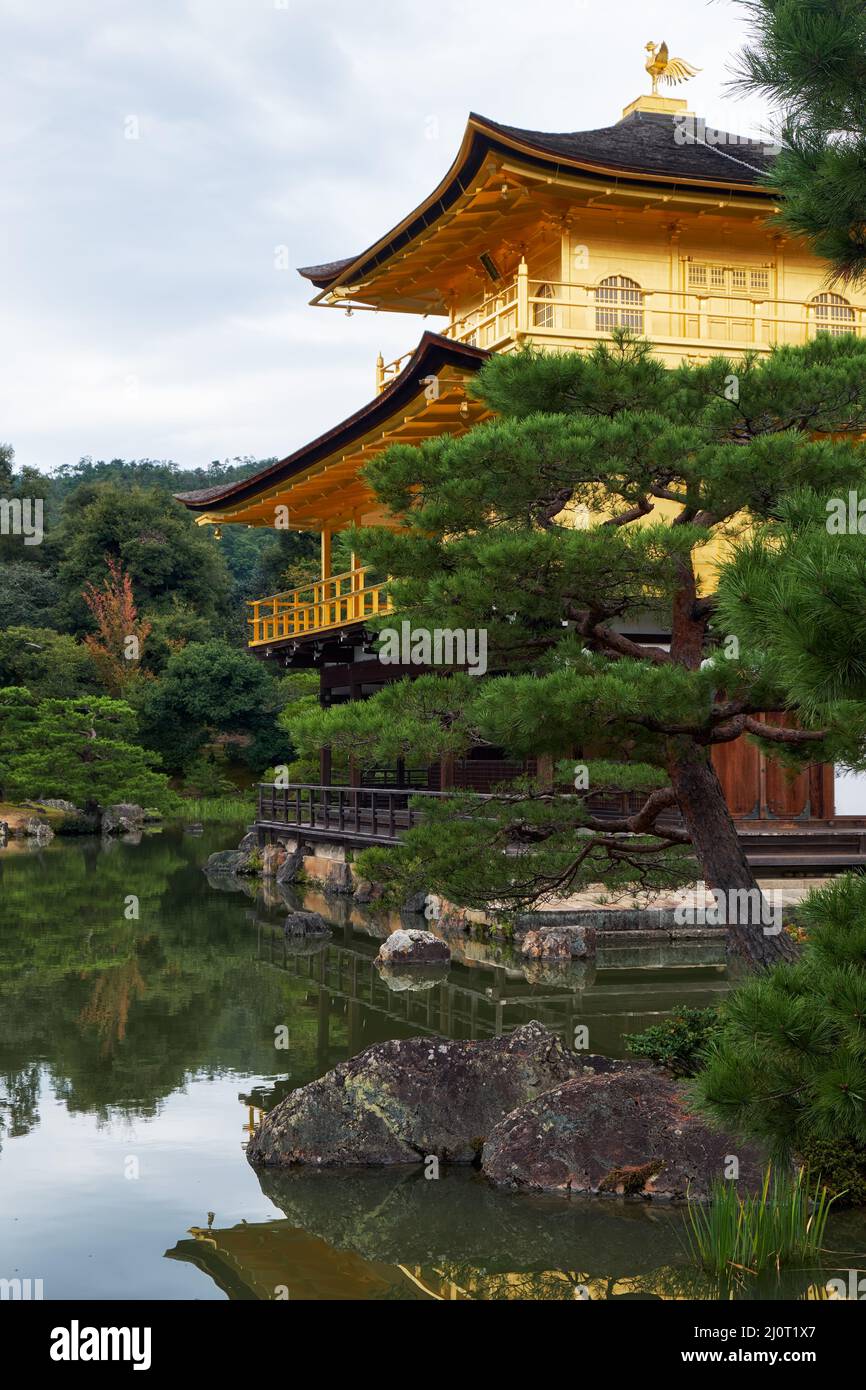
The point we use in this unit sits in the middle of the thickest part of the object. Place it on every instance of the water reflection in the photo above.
(396, 1235)
(151, 1034)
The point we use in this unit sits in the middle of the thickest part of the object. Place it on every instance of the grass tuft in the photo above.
(734, 1237)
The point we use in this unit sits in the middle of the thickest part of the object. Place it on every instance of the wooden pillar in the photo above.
(356, 584)
(522, 298)
(326, 553)
(446, 772)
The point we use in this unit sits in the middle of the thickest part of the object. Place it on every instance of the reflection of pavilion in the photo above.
(275, 1262)
(272, 1261)
(487, 993)
(388, 1234)
(391, 1235)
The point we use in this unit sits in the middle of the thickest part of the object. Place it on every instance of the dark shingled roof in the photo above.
(649, 142)
(432, 353)
(645, 144)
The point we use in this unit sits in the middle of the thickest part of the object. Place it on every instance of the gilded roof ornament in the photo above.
(663, 68)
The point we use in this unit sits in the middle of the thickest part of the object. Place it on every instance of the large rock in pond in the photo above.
(39, 830)
(232, 861)
(413, 947)
(406, 1100)
(122, 819)
(559, 943)
(628, 1132)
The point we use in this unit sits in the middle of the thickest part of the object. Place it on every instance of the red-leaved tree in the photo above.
(118, 644)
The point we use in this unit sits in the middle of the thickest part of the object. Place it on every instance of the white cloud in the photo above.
(151, 260)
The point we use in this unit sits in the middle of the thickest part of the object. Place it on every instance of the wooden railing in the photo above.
(318, 607)
(381, 815)
(586, 312)
(359, 813)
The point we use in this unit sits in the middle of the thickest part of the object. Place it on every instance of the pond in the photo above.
(139, 1011)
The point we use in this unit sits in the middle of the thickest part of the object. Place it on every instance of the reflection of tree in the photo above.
(19, 1093)
(126, 1011)
(108, 1007)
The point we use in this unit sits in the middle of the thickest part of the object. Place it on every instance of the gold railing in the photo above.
(689, 319)
(493, 324)
(318, 607)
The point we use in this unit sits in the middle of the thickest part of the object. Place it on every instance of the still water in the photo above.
(139, 1007)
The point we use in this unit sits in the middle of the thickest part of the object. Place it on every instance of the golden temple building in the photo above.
(655, 223)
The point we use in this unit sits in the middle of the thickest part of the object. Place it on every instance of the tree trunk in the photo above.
(718, 849)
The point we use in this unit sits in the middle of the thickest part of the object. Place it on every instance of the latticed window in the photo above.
(728, 279)
(832, 314)
(542, 314)
(618, 304)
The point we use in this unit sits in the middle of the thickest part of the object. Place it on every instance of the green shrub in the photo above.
(840, 1166)
(79, 750)
(788, 1066)
(679, 1043)
(207, 778)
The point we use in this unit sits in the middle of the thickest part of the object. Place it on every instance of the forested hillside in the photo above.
(123, 635)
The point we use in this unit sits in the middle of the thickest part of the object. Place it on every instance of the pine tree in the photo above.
(81, 750)
(789, 1065)
(808, 58)
(665, 465)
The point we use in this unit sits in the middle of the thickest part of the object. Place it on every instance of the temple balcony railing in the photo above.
(698, 322)
(322, 606)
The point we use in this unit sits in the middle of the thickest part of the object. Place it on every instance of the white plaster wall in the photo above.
(850, 793)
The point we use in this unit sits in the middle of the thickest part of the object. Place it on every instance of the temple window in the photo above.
(618, 304)
(832, 314)
(542, 314)
(727, 279)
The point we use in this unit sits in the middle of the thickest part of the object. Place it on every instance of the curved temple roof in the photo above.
(674, 149)
(432, 354)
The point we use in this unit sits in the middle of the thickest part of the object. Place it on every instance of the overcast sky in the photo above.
(158, 153)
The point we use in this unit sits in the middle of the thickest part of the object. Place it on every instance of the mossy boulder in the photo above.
(406, 1100)
(628, 1132)
(413, 947)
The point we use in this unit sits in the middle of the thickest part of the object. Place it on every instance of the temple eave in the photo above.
(320, 484)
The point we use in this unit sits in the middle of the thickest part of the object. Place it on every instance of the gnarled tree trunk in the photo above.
(718, 849)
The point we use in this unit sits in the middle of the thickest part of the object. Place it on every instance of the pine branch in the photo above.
(775, 734)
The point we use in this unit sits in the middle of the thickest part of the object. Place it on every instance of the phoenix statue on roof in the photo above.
(663, 68)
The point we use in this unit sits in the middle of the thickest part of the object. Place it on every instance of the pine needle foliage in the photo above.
(788, 1067)
(808, 59)
(587, 511)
